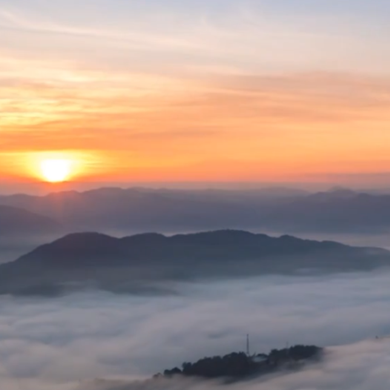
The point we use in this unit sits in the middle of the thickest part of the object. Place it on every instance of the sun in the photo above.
(56, 170)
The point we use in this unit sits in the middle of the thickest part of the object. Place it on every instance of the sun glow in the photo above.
(56, 170)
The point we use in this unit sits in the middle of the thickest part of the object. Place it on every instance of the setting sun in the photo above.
(56, 171)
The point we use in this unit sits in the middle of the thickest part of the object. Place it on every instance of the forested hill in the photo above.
(232, 368)
(240, 365)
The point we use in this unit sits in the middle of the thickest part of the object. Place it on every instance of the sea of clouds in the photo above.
(67, 343)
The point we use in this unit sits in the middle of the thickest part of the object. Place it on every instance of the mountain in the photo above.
(136, 210)
(151, 263)
(16, 222)
(334, 211)
(141, 209)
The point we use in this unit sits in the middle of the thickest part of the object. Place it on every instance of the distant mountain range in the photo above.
(152, 263)
(275, 209)
(139, 209)
(336, 211)
(18, 222)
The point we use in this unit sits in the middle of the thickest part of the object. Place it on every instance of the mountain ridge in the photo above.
(16, 221)
(140, 209)
(144, 261)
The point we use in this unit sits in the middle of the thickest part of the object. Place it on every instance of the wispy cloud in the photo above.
(285, 122)
(283, 90)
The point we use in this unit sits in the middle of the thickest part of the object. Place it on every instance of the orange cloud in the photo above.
(219, 128)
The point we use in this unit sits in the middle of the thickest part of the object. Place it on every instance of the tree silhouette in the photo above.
(240, 365)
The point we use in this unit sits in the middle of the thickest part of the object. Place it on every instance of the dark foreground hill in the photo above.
(151, 262)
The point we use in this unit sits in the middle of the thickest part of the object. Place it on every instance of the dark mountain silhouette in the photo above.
(335, 211)
(140, 209)
(17, 222)
(278, 209)
(149, 263)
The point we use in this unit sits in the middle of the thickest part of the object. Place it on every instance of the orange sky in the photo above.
(205, 105)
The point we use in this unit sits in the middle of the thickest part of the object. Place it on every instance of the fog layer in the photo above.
(69, 341)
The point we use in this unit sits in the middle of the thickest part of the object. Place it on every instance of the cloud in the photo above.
(279, 91)
(258, 106)
(247, 35)
(97, 335)
(275, 125)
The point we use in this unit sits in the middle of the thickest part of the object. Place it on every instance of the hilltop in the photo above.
(146, 262)
(232, 368)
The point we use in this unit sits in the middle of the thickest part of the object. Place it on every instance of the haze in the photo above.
(85, 337)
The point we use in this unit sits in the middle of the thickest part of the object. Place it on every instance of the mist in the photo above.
(71, 341)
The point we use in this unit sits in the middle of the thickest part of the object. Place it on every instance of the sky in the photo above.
(196, 90)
